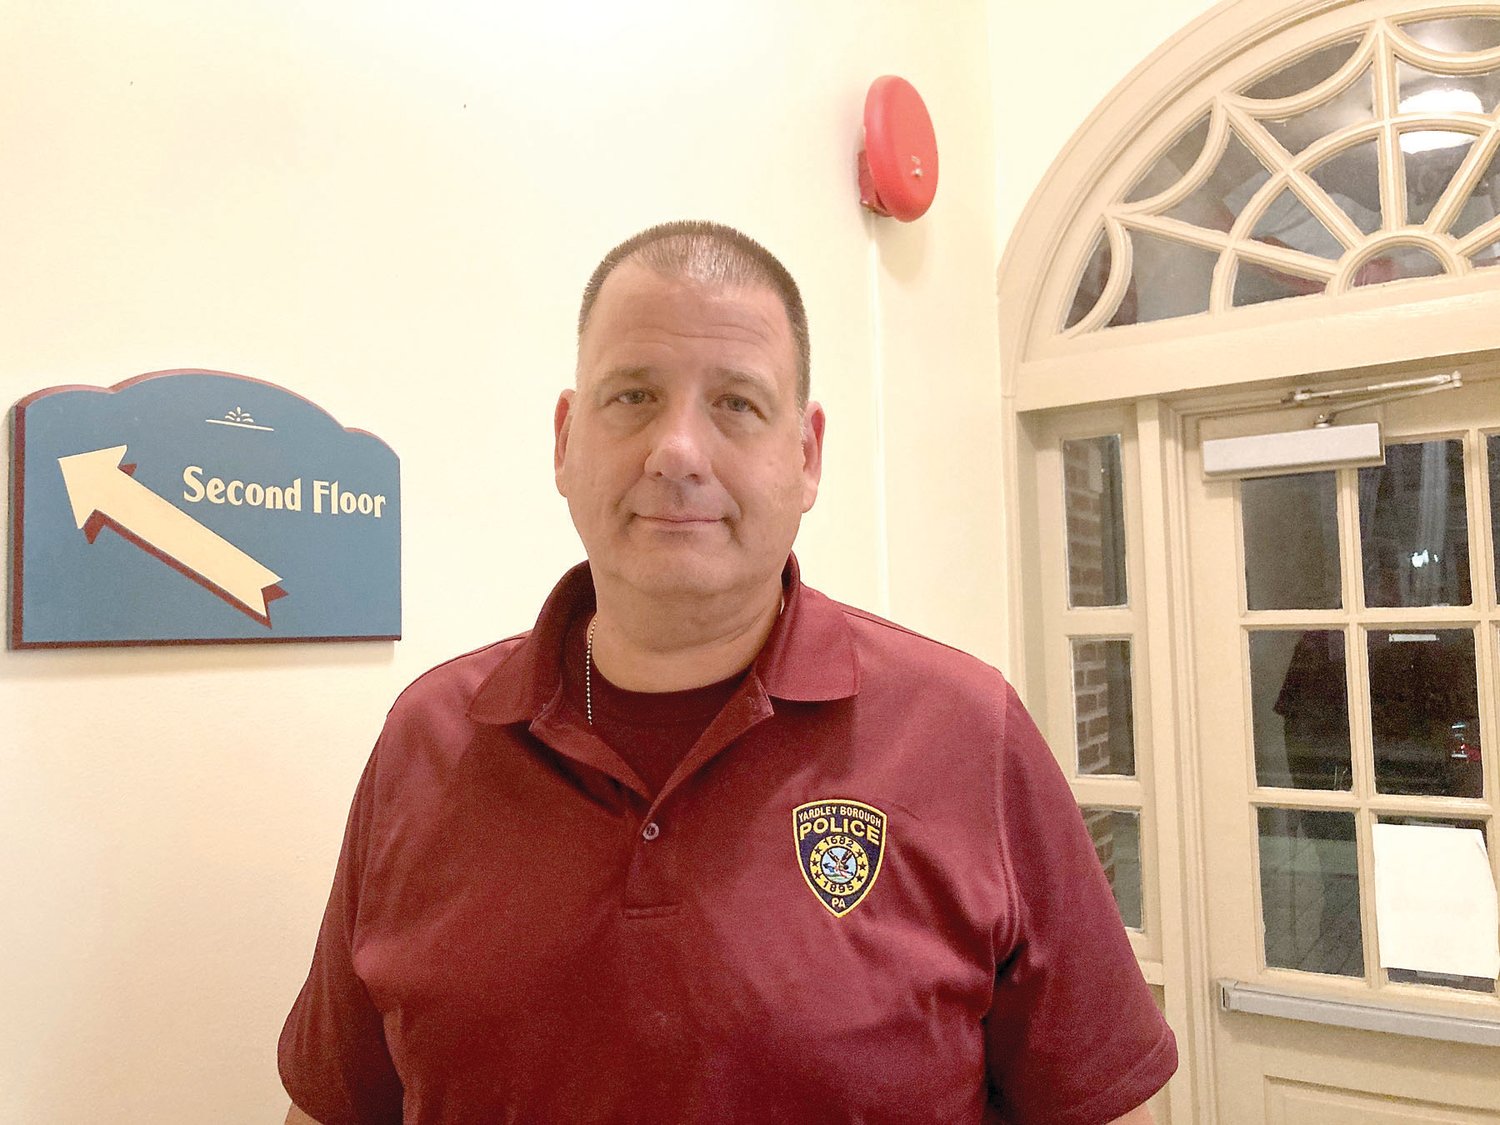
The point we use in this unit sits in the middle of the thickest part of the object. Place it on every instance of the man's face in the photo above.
(685, 461)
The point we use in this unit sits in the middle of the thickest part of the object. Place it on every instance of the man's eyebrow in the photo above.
(625, 373)
(752, 378)
(731, 375)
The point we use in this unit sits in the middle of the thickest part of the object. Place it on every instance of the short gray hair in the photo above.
(712, 254)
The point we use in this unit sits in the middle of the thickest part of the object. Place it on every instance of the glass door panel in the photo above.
(1309, 891)
(1300, 709)
(1414, 527)
(1291, 542)
(1424, 712)
(1492, 457)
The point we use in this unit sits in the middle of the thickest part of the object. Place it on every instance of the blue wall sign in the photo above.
(198, 507)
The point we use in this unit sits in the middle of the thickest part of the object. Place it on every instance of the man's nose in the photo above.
(680, 445)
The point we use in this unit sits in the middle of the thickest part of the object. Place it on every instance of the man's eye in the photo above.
(636, 397)
(738, 405)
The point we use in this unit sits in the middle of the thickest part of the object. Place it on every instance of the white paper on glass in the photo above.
(1435, 901)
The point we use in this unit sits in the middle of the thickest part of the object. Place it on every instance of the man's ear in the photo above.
(562, 425)
(813, 421)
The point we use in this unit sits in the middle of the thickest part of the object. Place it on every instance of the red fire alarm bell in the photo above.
(898, 169)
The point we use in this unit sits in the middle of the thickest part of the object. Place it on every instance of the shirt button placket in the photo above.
(647, 885)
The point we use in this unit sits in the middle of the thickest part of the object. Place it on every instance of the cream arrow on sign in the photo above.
(102, 491)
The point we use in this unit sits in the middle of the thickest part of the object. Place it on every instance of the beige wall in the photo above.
(389, 208)
(1053, 64)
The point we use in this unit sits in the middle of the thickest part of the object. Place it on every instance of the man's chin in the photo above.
(676, 580)
(679, 574)
(680, 569)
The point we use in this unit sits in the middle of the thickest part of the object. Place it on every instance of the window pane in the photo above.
(1092, 283)
(1094, 505)
(1291, 542)
(1255, 283)
(1399, 263)
(1461, 33)
(1309, 891)
(1300, 713)
(1432, 157)
(1103, 711)
(1172, 164)
(1288, 222)
(1414, 526)
(1117, 840)
(1492, 447)
(1422, 91)
(1483, 203)
(1436, 821)
(1305, 73)
(1417, 976)
(1424, 712)
(1351, 178)
(1168, 279)
(1441, 980)
(1353, 105)
(1218, 201)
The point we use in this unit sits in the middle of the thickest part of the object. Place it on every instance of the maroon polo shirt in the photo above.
(865, 895)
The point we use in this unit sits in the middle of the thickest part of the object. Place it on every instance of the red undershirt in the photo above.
(652, 731)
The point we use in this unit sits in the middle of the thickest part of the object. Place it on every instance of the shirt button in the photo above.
(651, 831)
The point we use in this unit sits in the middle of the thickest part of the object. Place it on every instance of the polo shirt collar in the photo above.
(808, 658)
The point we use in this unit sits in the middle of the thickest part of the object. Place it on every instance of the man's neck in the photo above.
(674, 646)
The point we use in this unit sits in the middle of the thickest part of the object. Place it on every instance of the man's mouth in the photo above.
(676, 519)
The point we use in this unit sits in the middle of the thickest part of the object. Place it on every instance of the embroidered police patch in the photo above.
(839, 845)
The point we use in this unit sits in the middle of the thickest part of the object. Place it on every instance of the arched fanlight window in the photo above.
(1369, 158)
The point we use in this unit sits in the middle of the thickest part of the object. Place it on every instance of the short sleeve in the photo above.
(332, 1056)
(1073, 1036)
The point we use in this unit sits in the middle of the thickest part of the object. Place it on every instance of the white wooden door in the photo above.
(1346, 678)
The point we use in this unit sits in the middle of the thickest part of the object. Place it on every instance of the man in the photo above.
(704, 845)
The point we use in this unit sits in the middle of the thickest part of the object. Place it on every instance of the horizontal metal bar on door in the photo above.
(1237, 997)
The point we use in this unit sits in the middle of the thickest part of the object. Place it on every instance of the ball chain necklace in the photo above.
(588, 664)
(588, 672)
